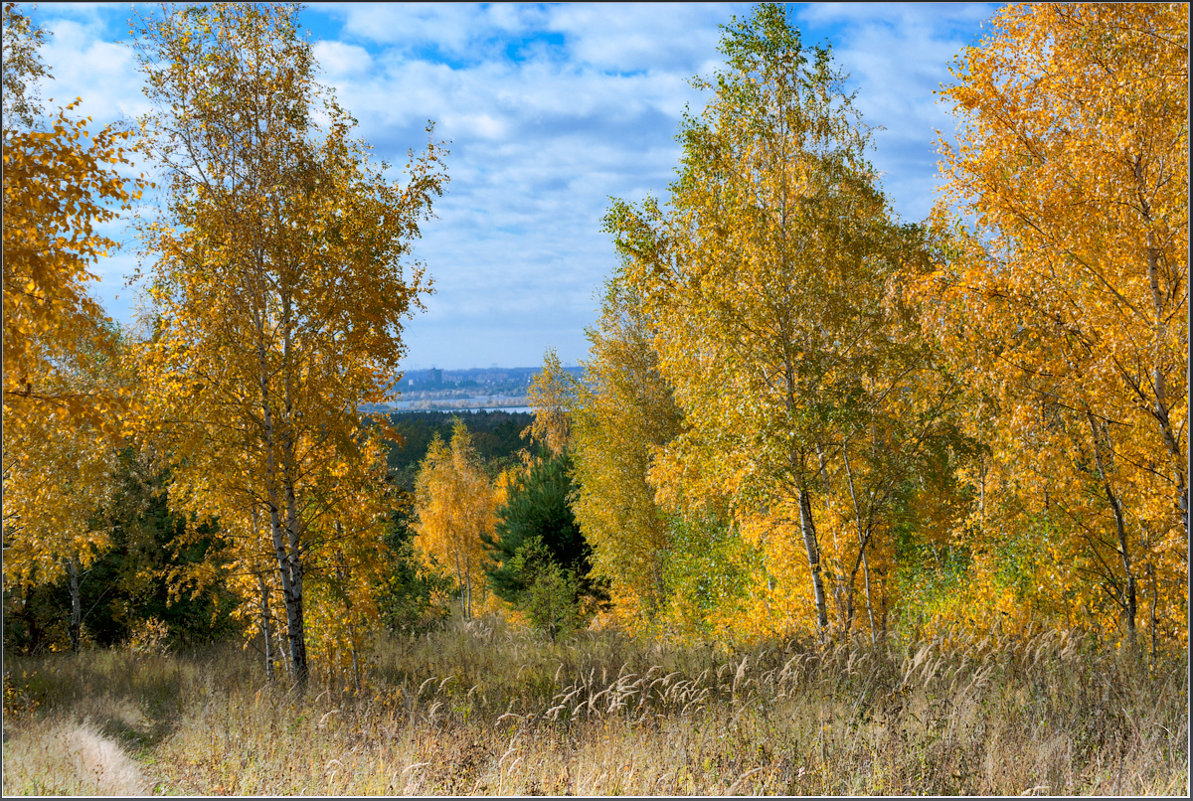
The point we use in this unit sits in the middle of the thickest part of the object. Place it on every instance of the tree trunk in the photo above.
(808, 529)
(468, 584)
(294, 603)
(849, 593)
(266, 633)
(291, 579)
(869, 596)
(291, 597)
(76, 605)
(289, 482)
(355, 658)
(460, 584)
(295, 626)
(1159, 384)
(863, 539)
(1129, 602)
(284, 533)
(283, 651)
(266, 613)
(1151, 573)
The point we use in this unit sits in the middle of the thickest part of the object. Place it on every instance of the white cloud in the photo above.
(85, 65)
(340, 60)
(897, 56)
(550, 109)
(641, 36)
(451, 28)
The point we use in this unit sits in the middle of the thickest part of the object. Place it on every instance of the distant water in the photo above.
(402, 407)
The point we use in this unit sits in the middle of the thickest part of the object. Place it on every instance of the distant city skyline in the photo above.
(550, 110)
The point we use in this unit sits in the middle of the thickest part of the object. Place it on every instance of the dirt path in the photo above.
(62, 758)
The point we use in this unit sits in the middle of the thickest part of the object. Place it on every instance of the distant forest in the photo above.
(496, 436)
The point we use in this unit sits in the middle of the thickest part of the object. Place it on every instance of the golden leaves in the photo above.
(279, 294)
(65, 404)
(1073, 162)
(550, 395)
(619, 419)
(768, 286)
(456, 505)
(56, 192)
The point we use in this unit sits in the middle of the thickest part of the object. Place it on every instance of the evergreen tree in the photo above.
(538, 552)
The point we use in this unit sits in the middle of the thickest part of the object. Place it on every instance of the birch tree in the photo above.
(64, 400)
(1072, 164)
(456, 507)
(280, 271)
(766, 277)
(623, 415)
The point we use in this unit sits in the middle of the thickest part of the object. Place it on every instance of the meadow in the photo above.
(483, 708)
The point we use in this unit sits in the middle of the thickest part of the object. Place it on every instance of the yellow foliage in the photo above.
(456, 505)
(63, 399)
(1067, 302)
(620, 419)
(280, 291)
(771, 287)
(551, 396)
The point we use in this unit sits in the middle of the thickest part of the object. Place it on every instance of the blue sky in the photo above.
(550, 109)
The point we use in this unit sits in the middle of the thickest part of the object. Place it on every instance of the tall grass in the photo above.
(482, 709)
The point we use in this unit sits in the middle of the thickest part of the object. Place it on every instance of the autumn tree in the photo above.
(624, 413)
(669, 558)
(280, 278)
(766, 279)
(455, 504)
(1072, 165)
(63, 404)
(348, 554)
(132, 585)
(61, 182)
(23, 68)
(58, 484)
(551, 395)
(408, 591)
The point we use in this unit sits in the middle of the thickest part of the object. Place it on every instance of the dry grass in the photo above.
(483, 710)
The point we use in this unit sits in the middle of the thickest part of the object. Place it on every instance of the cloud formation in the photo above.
(550, 110)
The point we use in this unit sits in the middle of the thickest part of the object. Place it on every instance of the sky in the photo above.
(550, 110)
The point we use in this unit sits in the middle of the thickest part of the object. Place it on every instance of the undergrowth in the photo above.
(482, 709)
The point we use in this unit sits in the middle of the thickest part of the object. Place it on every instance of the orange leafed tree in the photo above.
(1068, 296)
(280, 280)
(61, 404)
(456, 506)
